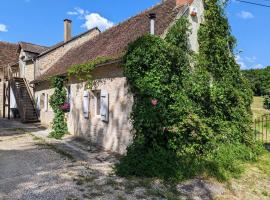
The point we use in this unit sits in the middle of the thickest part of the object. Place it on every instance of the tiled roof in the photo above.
(8, 53)
(114, 41)
(33, 48)
(60, 44)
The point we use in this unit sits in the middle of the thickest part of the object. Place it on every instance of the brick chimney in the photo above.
(152, 17)
(183, 2)
(67, 30)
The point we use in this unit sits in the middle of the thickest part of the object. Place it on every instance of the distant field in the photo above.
(257, 108)
(263, 127)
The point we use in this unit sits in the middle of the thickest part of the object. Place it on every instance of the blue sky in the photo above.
(41, 22)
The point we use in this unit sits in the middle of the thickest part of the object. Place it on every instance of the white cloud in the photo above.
(91, 19)
(241, 62)
(95, 20)
(251, 59)
(72, 13)
(245, 15)
(258, 66)
(3, 28)
(248, 62)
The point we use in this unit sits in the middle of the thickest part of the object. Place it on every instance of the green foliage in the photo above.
(266, 102)
(201, 108)
(83, 71)
(57, 99)
(224, 162)
(259, 79)
(229, 99)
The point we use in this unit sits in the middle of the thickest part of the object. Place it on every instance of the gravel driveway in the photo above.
(33, 167)
(29, 171)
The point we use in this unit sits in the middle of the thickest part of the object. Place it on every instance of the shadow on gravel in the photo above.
(34, 173)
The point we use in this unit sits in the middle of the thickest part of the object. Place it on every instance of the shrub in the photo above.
(267, 102)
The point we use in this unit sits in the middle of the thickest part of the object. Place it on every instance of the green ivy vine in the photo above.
(185, 117)
(58, 99)
(84, 71)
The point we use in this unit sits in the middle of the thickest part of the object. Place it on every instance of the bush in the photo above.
(259, 79)
(223, 163)
(267, 102)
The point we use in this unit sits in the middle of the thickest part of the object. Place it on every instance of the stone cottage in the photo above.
(101, 113)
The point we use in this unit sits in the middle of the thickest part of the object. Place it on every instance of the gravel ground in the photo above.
(33, 167)
(29, 171)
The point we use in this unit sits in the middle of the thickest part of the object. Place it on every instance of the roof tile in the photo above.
(114, 41)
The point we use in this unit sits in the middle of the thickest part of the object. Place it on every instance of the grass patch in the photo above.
(257, 108)
(254, 182)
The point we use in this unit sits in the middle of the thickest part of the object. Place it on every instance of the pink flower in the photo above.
(65, 107)
(154, 102)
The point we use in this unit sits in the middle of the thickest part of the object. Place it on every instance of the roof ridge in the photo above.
(59, 44)
(6, 42)
(132, 17)
(33, 44)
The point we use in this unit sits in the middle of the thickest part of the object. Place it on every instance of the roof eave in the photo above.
(115, 61)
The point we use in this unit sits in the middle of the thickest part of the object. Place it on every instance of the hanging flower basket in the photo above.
(65, 107)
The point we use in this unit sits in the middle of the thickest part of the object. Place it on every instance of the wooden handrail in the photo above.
(21, 92)
(30, 95)
(14, 89)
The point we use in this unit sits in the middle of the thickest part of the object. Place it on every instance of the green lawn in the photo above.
(257, 108)
(262, 127)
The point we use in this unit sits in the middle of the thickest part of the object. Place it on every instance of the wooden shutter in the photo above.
(38, 102)
(46, 102)
(86, 104)
(104, 106)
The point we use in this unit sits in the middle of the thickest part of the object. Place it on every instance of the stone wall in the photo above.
(195, 24)
(46, 61)
(114, 135)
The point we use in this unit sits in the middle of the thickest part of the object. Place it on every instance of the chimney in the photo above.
(152, 17)
(67, 30)
(184, 2)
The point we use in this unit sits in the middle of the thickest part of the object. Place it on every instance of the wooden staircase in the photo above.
(23, 97)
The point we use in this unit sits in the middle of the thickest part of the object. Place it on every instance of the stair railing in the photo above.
(31, 96)
(12, 83)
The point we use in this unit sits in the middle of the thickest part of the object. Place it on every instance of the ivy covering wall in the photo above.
(56, 101)
(191, 113)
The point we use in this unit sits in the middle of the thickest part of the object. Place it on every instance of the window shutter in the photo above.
(86, 104)
(38, 102)
(104, 106)
(46, 102)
